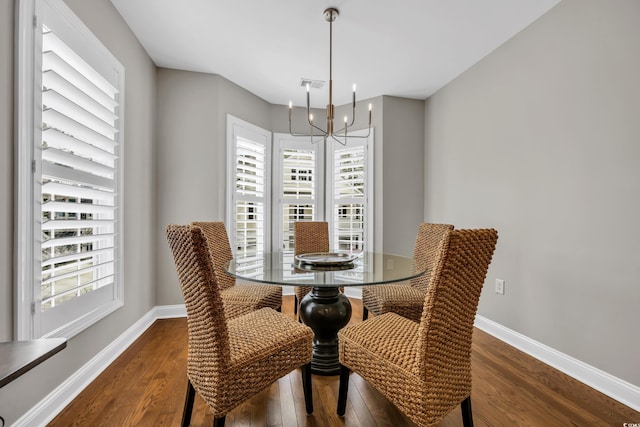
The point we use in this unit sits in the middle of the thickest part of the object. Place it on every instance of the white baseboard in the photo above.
(169, 311)
(43, 412)
(350, 291)
(58, 399)
(620, 390)
(353, 292)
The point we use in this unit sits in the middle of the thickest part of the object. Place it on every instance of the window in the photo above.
(71, 166)
(299, 187)
(350, 198)
(248, 169)
(301, 175)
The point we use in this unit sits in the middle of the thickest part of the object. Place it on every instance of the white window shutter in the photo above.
(299, 187)
(250, 202)
(351, 196)
(248, 189)
(70, 225)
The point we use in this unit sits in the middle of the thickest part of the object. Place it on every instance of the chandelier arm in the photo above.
(339, 141)
(306, 135)
(342, 131)
(351, 124)
(322, 131)
(353, 108)
(351, 136)
(323, 134)
(353, 119)
(311, 135)
(301, 134)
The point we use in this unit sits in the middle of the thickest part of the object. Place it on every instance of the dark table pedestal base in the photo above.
(326, 311)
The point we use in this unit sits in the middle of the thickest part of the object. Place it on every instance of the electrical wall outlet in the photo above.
(500, 286)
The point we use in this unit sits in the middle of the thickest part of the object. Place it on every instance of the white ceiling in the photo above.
(406, 48)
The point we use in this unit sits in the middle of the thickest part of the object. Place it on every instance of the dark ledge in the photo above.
(18, 357)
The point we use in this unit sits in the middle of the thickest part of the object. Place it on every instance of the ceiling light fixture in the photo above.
(341, 135)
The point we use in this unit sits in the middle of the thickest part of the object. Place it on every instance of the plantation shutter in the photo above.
(79, 178)
(248, 192)
(350, 196)
(300, 186)
(250, 202)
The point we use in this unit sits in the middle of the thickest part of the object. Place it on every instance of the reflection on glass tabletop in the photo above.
(326, 258)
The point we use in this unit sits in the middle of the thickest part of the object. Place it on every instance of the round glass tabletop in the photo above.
(324, 269)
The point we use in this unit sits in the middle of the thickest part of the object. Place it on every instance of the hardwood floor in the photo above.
(146, 385)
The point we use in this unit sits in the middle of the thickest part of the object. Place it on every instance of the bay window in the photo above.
(311, 182)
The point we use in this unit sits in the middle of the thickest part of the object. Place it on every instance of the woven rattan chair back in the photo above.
(446, 328)
(209, 351)
(218, 242)
(310, 236)
(427, 249)
(230, 360)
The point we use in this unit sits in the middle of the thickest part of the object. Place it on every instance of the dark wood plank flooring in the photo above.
(145, 386)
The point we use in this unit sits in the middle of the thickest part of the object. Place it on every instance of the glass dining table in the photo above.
(325, 309)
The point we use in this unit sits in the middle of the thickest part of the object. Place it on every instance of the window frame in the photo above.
(87, 309)
(332, 145)
(284, 141)
(273, 213)
(238, 127)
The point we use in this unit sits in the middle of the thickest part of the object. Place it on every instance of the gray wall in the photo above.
(139, 203)
(541, 140)
(403, 171)
(192, 111)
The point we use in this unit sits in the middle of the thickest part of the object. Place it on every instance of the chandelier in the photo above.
(316, 133)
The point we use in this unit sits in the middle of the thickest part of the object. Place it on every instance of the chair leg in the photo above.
(188, 404)
(295, 304)
(218, 422)
(344, 388)
(307, 388)
(467, 417)
(365, 313)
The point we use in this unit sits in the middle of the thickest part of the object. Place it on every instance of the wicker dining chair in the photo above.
(425, 368)
(239, 298)
(308, 237)
(231, 360)
(407, 299)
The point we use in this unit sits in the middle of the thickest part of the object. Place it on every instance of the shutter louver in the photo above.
(299, 182)
(79, 156)
(349, 198)
(250, 203)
